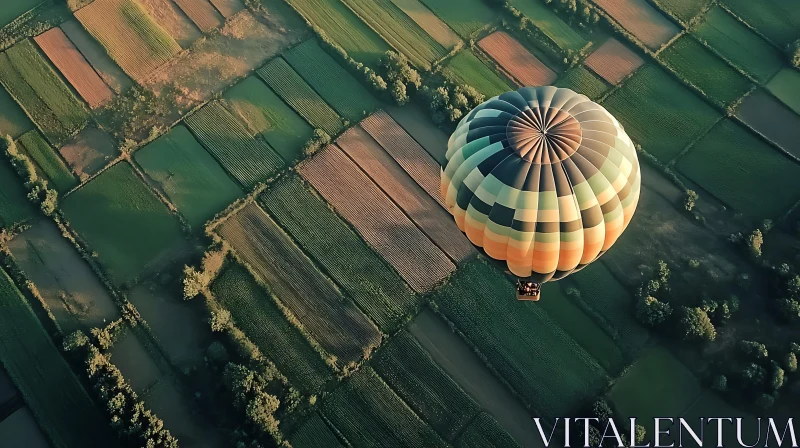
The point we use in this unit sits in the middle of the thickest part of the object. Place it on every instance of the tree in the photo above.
(788, 309)
(720, 383)
(194, 282)
(794, 53)
(399, 93)
(220, 320)
(695, 324)
(778, 376)
(690, 200)
(753, 350)
(650, 311)
(790, 362)
(601, 410)
(663, 272)
(753, 375)
(641, 434)
(765, 401)
(754, 242)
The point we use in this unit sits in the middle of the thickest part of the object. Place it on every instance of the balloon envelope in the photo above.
(542, 178)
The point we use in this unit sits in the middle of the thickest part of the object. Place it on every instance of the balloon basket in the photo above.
(529, 291)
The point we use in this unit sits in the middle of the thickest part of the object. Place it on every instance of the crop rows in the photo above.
(366, 411)
(329, 317)
(466, 68)
(202, 13)
(14, 205)
(97, 56)
(583, 81)
(516, 60)
(427, 389)
(642, 20)
(376, 218)
(333, 83)
(786, 87)
(367, 279)
(467, 19)
(248, 160)
(314, 433)
(294, 91)
(13, 120)
(684, 10)
(776, 19)
(549, 370)
(423, 210)
(255, 313)
(48, 161)
(485, 432)
(770, 118)
(228, 8)
(428, 21)
(613, 61)
(550, 24)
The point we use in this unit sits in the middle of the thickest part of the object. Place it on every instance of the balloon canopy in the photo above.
(542, 178)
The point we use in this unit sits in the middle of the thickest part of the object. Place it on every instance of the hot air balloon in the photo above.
(543, 179)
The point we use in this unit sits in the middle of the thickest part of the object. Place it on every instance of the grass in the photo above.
(737, 43)
(583, 81)
(341, 25)
(543, 17)
(332, 82)
(122, 220)
(248, 160)
(659, 113)
(254, 311)
(743, 171)
(683, 10)
(292, 89)
(705, 70)
(56, 397)
(466, 68)
(34, 106)
(466, 19)
(786, 86)
(552, 373)
(188, 175)
(776, 19)
(266, 114)
(14, 205)
(15, 9)
(13, 120)
(377, 289)
(485, 432)
(49, 162)
(424, 386)
(399, 30)
(314, 433)
(366, 411)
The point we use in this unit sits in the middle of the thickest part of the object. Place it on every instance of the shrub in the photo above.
(601, 410)
(720, 383)
(793, 51)
(318, 140)
(690, 200)
(754, 242)
(652, 312)
(765, 401)
(216, 353)
(695, 324)
(641, 434)
(790, 362)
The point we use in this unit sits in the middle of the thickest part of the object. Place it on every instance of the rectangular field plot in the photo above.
(543, 17)
(48, 161)
(97, 56)
(123, 221)
(424, 386)
(375, 287)
(786, 86)
(613, 61)
(543, 364)
(325, 313)
(169, 16)
(75, 68)
(738, 44)
(743, 171)
(705, 70)
(416, 123)
(683, 10)
(516, 60)
(12, 10)
(332, 82)
(340, 24)
(659, 113)
(485, 432)
(376, 218)
(129, 35)
(13, 120)
(14, 204)
(291, 87)
(770, 118)
(428, 21)
(583, 81)
(228, 8)
(368, 413)
(248, 160)
(466, 68)
(61, 405)
(202, 14)
(465, 17)
(314, 433)
(21, 429)
(254, 311)
(776, 19)
(642, 20)
(89, 151)
(188, 175)
(266, 114)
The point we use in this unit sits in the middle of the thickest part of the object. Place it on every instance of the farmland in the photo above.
(175, 22)
(294, 91)
(646, 23)
(13, 121)
(659, 113)
(683, 10)
(188, 175)
(584, 81)
(89, 151)
(516, 60)
(743, 171)
(429, 136)
(14, 206)
(466, 68)
(12, 10)
(314, 433)
(202, 13)
(48, 161)
(550, 24)
(777, 19)
(96, 55)
(256, 313)
(121, 219)
(786, 86)
(333, 83)
(614, 61)
(248, 160)
(428, 21)
(470, 17)
(485, 432)
(368, 280)
(773, 120)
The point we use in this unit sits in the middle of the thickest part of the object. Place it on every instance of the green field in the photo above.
(582, 80)
(48, 161)
(366, 411)
(314, 433)
(550, 371)
(485, 432)
(743, 171)
(786, 86)
(248, 160)
(188, 175)
(266, 114)
(14, 9)
(341, 25)
(14, 205)
(424, 386)
(377, 289)
(292, 89)
(776, 19)
(543, 17)
(122, 220)
(254, 311)
(705, 70)
(737, 43)
(55, 396)
(13, 120)
(332, 82)
(466, 68)
(465, 17)
(659, 113)
(684, 10)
